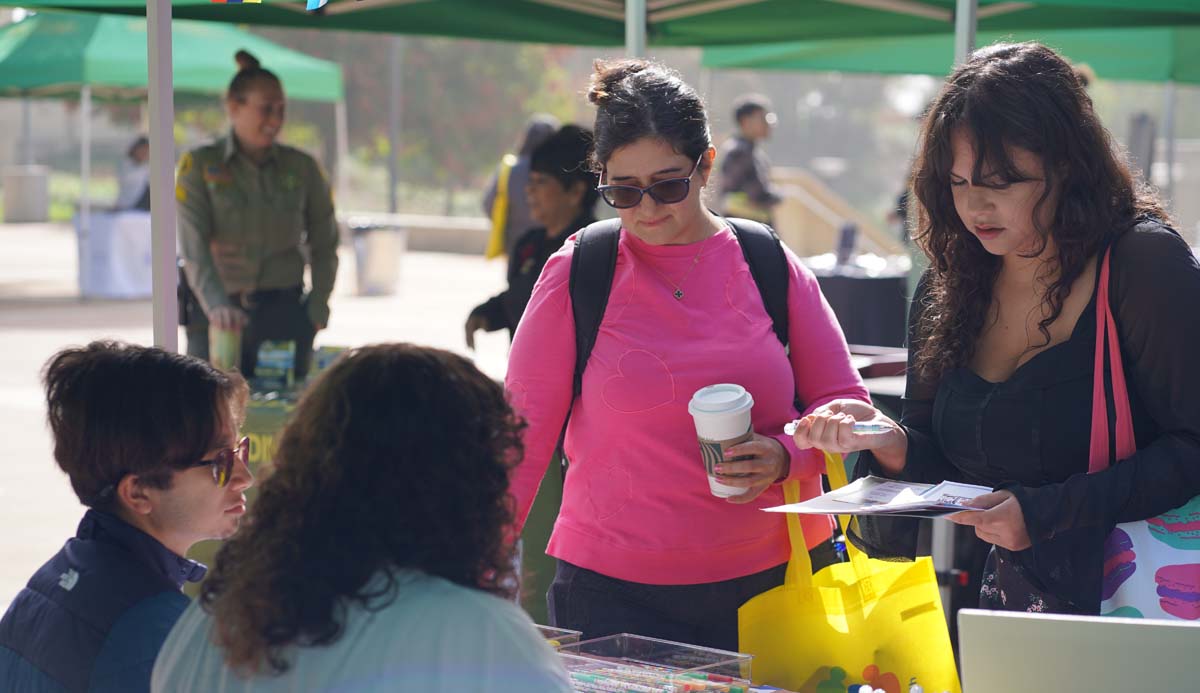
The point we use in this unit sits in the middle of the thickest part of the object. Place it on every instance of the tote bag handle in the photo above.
(799, 570)
(1106, 333)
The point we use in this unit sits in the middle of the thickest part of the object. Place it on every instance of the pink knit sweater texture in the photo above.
(636, 503)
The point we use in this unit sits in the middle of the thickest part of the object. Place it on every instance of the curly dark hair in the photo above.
(1013, 95)
(397, 457)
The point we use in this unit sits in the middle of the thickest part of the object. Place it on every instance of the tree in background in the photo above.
(462, 102)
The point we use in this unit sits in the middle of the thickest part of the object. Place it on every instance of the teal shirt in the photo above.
(261, 217)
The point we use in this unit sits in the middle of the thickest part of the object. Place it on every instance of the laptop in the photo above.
(1010, 652)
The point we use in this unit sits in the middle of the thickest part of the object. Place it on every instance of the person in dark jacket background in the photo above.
(744, 186)
(148, 440)
(562, 199)
(504, 198)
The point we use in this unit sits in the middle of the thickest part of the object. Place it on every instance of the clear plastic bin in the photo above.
(557, 637)
(658, 665)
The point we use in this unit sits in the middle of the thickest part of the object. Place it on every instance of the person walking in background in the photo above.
(133, 177)
(641, 539)
(377, 555)
(562, 196)
(1022, 202)
(149, 442)
(744, 187)
(504, 198)
(252, 214)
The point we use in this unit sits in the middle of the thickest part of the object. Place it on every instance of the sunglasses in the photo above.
(222, 469)
(222, 464)
(666, 192)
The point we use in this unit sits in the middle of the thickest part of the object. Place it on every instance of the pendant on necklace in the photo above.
(678, 294)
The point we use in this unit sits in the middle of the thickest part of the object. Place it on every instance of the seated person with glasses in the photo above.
(149, 441)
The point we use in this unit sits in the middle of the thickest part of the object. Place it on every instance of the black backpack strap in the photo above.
(592, 267)
(769, 268)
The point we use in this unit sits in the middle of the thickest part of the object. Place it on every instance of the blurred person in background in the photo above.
(744, 186)
(133, 177)
(562, 196)
(504, 200)
(253, 214)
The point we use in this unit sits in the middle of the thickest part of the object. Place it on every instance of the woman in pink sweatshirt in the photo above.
(643, 545)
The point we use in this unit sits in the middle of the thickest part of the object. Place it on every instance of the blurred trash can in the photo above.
(26, 194)
(379, 244)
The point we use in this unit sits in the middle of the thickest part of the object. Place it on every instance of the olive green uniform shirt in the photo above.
(264, 213)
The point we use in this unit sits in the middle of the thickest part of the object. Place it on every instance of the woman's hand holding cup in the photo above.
(831, 427)
(753, 465)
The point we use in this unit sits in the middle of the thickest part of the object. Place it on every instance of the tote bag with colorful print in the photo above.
(1151, 567)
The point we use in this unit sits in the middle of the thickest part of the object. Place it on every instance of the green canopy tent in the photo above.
(1137, 54)
(54, 54)
(85, 55)
(667, 22)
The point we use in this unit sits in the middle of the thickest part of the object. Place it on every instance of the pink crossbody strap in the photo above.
(1106, 329)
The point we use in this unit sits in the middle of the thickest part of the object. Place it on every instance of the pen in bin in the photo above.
(859, 427)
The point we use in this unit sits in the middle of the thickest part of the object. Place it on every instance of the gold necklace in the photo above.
(678, 293)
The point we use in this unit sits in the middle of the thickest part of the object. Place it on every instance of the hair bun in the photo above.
(246, 61)
(607, 75)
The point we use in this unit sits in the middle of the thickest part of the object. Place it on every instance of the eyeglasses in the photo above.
(667, 192)
(222, 469)
(222, 464)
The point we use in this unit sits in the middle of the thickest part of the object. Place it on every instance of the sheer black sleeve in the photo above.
(924, 462)
(1155, 295)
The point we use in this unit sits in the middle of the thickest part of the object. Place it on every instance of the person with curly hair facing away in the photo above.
(1021, 193)
(375, 558)
(149, 442)
(641, 539)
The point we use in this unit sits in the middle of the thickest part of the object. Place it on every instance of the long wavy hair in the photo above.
(1013, 95)
(397, 458)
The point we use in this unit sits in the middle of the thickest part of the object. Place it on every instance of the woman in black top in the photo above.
(1020, 194)
(562, 199)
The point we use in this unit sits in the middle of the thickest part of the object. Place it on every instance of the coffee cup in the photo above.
(721, 413)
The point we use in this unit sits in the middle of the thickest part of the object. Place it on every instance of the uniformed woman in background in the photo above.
(252, 212)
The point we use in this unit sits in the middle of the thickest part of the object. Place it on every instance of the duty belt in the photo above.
(249, 300)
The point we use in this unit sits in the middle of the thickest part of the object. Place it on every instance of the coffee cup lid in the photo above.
(719, 399)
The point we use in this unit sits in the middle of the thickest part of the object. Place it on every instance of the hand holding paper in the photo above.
(997, 519)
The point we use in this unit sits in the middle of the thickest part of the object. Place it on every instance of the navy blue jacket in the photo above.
(93, 618)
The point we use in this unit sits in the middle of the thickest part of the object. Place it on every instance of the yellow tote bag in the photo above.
(862, 622)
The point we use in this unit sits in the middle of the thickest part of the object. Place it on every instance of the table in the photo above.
(870, 309)
(114, 254)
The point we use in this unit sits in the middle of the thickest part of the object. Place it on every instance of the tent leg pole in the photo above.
(26, 131)
(635, 28)
(395, 86)
(1169, 132)
(85, 161)
(342, 176)
(965, 24)
(162, 174)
